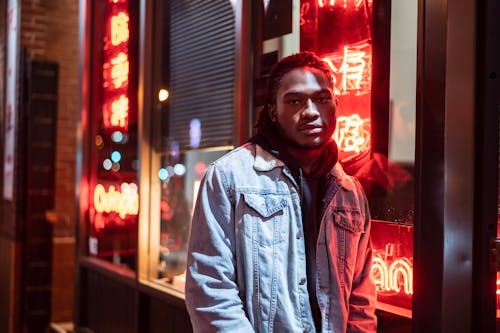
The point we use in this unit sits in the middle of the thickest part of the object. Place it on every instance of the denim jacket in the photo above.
(246, 259)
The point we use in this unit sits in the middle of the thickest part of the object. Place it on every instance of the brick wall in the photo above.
(49, 31)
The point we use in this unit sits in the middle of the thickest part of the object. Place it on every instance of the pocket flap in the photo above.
(351, 220)
(265, 204)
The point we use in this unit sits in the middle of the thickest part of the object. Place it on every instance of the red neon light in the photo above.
(396, 276)
(119, 70)
(124, 203)
(116, 70)
(119, 28)
(304, 10)
(119, 112)
(352, 72)
(344, 3)
(115, 114)
(352, 133)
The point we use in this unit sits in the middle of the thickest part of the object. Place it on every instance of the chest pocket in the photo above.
(349, 226)
(350, 220)
(264, 218)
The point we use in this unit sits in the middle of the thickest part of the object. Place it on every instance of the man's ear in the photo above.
(272, 112)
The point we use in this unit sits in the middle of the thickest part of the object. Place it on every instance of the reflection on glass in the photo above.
(392, 266)
(180, 175)
(113, 196)
(375, 124)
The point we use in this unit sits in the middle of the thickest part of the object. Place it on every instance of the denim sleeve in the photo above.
(212, 298)
(362, 300)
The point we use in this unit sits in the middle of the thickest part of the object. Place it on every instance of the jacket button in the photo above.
(302, 281)
(307, 328)
(298, 235)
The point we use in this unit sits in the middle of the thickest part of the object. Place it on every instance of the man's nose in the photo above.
(310, 109)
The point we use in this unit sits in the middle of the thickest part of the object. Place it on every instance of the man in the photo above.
(280, 234)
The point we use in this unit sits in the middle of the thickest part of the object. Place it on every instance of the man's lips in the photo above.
(310, 129)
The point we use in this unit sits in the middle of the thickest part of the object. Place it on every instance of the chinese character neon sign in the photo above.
(351, 69)
(115, 115)
(119, 70)
(119, 28)
(352, 134)
(119, 112)
(123, 203)
(116, 68)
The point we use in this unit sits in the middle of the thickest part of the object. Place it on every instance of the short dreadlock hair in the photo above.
(287, 64)
(283, 66)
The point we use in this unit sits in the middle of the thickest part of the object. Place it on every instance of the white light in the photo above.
(163, 95)
(107, 164)
(117, 136)
(179, 169)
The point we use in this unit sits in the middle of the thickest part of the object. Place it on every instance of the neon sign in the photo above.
(123, 203)
(352, 133)
(119, 111)
(116, 69)
(351, 68)
(394, 277)
(333, 3)
(119, 28)
(119, 70)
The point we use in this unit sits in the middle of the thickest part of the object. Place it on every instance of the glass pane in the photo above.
(114, 200)
(192, 112)
(375, 126)
(179, 176)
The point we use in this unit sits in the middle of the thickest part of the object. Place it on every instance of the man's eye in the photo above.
(294, 101)
(323, 99)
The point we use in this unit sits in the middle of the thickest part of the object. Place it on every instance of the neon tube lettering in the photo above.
(119, 28)
(352, 72)
(380, 274)
(352, 133)
(119, 69)
(123, 203)
(119, 112)
(400, 272)
(332, 3)
(398, 276)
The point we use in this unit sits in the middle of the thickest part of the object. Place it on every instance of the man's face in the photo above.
(305, 108)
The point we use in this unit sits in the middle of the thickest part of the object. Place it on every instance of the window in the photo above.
(192, 122)
(113, 198)
(374, 71)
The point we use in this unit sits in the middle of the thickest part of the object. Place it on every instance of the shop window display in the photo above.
(114, 198)
(191, 124)
(375, 123)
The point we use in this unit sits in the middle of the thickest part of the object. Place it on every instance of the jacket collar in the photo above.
(265, 161)
(346, 182)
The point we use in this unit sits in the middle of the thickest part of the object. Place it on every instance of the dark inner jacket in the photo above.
(312, 189)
